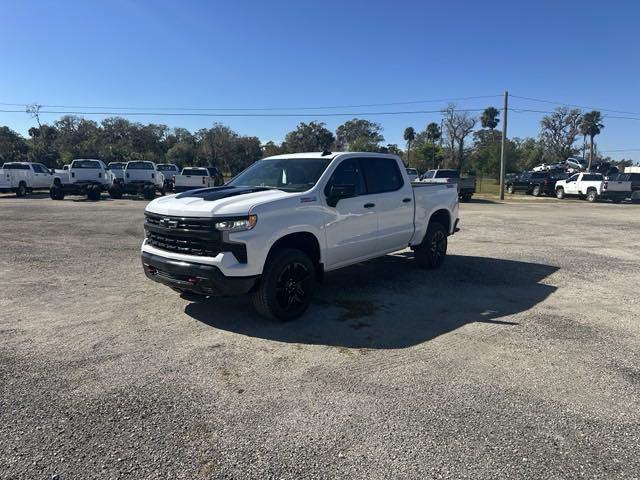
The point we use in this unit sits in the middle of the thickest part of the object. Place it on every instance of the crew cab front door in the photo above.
(571, 186)
(352, 224)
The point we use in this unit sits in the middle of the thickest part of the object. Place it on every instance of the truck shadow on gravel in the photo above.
(390, 303)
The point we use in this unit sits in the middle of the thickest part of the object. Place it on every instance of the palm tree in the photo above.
(434, 133)
(591, 125)
(490, 120)
(409, 137)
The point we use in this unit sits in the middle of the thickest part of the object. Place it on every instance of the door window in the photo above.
(381, 175)
(348, 173)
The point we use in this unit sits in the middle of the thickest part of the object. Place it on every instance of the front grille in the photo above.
(189, 236)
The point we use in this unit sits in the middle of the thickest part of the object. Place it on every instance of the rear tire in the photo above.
(93, 193)
(149, 193)
(433, 249)
(560, 193)
(536, 191)
(592, 196)
(287, 285)
(510, 189)
(115, 191)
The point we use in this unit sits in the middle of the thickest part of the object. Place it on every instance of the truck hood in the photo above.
(215, 201)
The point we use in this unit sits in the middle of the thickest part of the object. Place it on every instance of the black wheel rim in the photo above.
(438, 246)
(292, 287)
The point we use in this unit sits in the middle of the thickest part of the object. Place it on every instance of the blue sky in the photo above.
(254, 54)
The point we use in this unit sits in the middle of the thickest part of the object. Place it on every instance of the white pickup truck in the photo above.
(274, 229)
(593, 186)
(140, 177)
(197, 177)
(24, 177)
(85, 176)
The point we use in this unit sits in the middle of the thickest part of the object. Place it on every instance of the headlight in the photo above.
(238, 225)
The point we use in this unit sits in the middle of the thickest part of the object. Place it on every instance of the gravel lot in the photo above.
(520, 358)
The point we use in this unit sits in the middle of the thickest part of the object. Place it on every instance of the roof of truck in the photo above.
(328, 155)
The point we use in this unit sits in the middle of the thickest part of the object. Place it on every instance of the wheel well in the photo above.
(442, 217)
(591, 189)
(303, 241)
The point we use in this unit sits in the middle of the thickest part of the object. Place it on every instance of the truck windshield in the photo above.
(116, 166)
(139, 166)
(290, 174)
(167, 168)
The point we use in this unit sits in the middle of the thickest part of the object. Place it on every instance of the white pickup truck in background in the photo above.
(197, 177)
(84, 176)
(118, 170)
(273, 230)
(140, 177)
(169, 170)
(466, 185)
(24, 177)
(593, 186)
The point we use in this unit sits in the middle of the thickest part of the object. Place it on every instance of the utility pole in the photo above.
(504, 140)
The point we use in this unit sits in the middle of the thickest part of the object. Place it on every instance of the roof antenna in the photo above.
(325, 153)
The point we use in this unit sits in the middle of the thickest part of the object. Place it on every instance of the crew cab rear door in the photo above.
(392, 196)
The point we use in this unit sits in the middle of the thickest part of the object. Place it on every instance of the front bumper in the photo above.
(196, 278)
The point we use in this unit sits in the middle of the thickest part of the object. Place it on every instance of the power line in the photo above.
(202, 114)
(329, 107)
(552, 102)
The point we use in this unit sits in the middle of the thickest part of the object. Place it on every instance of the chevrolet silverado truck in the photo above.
(274, 229)
(592, 187)
(197, 177)
(466, 185)
(24, 177)
(140, 177)
(85, 176)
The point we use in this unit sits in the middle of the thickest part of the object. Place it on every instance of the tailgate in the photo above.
(618, 186)
(190, 180)
(139, 175)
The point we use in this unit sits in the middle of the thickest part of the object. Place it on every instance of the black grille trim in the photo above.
(190, 236)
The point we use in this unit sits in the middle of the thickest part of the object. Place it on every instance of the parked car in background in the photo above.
(118, 169)
(413, 174)
(531, 183)
(634, 178)
(593, 186)
(575, 164)
(24, 177)
(140, 177)
(85, 176)
(197, 177)
(169, 170)
(274, 229)
(466, 185)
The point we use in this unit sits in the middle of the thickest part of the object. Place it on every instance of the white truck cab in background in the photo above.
(24, 177)
(140, 177)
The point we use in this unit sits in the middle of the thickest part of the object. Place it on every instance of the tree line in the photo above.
(455, 142)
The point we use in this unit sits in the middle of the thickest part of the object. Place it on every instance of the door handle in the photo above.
(369, 205)
(406, 200)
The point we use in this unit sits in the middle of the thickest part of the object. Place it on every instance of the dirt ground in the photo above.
(520, 358)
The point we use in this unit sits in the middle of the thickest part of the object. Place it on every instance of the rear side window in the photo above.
(381, 174)
(15, 166)
(447, 174)
(428, 174)
(591, 178)
(212, 171)
(200, 172)
(85, 164)
(40, 168)
(348, 172)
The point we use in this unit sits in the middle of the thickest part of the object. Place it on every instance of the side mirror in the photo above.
(51, 171)
(339, 192)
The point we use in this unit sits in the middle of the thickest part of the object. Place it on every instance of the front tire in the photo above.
(287, 285)
(536, 191)
(559, 193)
(433, 249)
(21, 190)
(56, 192)
(510, 189)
